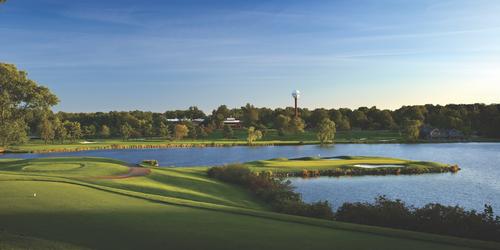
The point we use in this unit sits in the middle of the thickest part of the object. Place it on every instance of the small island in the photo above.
(347, 166)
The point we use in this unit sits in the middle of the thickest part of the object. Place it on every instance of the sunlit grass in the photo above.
(55, 203)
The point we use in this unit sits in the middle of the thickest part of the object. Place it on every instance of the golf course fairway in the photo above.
(74, 203)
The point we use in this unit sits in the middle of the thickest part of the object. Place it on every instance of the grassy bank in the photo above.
(170, 208)
(216, 139)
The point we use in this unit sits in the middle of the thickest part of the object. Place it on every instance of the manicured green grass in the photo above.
(310, 164)
(170, 209)
(184, 183)
(214, 139)
(66, 167)
(19, 242)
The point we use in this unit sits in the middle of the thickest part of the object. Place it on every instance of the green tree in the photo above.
(317, 116)
(228, 132)
(126, 131)
(297, 125)
(20, 97)
(73, 130)
(359, 119)
(326, 131)
(411, 130)
(193, 113)
(47, 132)
(60, 132)
(180, 131)
(201, 131)
(250, 115)
(148, 130)
(163, 130)
(219, 115)
(193, 131)
(341, 121)
(104, 132)
(89, 131)
(253, 135)
(282, 124)
(13, 132)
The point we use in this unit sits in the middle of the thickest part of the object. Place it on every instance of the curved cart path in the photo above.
(133, 172)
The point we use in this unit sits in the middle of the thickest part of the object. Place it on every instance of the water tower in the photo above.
(296, 95)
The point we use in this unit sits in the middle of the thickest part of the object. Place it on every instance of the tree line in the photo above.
(480, 119)
(25, 109)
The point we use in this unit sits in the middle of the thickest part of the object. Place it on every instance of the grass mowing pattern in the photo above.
(111, 214)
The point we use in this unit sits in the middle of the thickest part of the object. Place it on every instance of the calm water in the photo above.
(478, 182)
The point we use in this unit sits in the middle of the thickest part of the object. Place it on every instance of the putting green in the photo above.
(53, 167)
(347, 165)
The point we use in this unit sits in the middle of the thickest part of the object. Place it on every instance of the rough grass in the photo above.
(170, 209)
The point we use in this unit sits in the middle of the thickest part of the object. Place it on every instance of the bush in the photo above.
(277, 193)
(436, 218)
(150, 163)
(234, 173)
(432, 218)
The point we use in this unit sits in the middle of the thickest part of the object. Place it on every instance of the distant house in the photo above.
(233, 122)
(438, 134)
(429, 133)
(198, 120)
(177, 120)
(425, 131)
(174, 120)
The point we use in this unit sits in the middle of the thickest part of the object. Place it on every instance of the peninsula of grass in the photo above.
(59, 203)
(347, 166)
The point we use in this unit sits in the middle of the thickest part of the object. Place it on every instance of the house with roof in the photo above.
(429, 133)
(233, 122)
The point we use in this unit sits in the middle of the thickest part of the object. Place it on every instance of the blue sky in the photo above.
(160, 55)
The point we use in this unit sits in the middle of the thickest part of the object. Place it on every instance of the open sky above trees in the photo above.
(158, 55)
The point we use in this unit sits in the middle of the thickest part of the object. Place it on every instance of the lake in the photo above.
(478, 182)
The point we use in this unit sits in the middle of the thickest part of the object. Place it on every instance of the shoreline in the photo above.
(311, 167)
(351, 172)
(222, 144)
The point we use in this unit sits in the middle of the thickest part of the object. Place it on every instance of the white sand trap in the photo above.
(88, 142)
(377, 166)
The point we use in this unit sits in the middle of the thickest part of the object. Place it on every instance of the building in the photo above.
(194, 121)
(232, 122)
(430, 133)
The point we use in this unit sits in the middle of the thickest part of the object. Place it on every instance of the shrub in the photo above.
(234, 173)
(277, 193)
(150, 163)
(432, 218)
